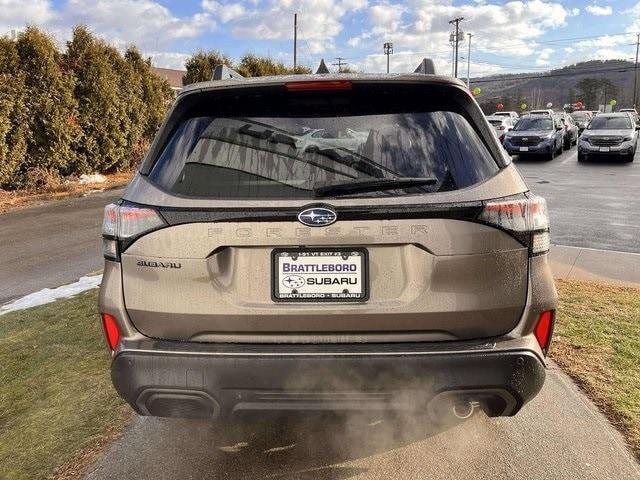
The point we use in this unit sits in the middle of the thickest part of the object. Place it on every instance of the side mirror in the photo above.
(637, 127)
(559, 127)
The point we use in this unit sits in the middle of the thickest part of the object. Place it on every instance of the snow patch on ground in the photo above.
(92, 178)
(48, 295)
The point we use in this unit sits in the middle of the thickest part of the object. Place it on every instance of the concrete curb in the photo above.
(608, 266)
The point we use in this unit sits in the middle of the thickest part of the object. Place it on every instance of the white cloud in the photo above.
(173, 60)
(423, 25)
(14, 14)
(225, 12)
(319, 22)
(599, 11)
(145, 23)
(575, 12)
(544, 56)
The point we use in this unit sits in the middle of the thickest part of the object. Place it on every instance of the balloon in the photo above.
(613, 103)
(579, 104)
(523, 106)
(549, 105)
(476, 91)
(500, 106)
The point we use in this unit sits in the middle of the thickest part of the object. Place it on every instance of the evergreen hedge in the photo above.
(87, 109)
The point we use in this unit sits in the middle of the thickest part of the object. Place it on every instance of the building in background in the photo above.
(174, 77)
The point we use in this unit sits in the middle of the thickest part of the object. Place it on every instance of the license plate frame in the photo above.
(276, 293)
(524, 149)
(605, 149)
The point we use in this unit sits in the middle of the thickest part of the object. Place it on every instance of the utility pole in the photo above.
(456, 21)
(295, 42)
(388, 50)
(635, 72)
(469, 60)
(340, 63)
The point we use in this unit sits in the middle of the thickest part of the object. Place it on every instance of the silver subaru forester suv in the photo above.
(327, 243)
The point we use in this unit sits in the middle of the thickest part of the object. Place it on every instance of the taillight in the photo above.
(111, 330)
(544, 329)
(123, 223)
(527, 217)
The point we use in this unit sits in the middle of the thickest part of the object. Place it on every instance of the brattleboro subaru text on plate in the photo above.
(319, 274)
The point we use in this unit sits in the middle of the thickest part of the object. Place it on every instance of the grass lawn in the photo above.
(57, 405)
(597, 342)
(56, 399)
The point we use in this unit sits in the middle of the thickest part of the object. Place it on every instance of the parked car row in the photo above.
(546, 133)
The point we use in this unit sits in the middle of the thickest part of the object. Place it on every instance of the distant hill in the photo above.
(556, 86)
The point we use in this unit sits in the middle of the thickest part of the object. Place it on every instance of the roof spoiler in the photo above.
(426, 67)
(222, 72)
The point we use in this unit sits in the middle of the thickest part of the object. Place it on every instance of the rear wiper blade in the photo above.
(373, 184)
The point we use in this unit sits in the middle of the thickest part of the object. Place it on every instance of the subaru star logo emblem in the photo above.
(317, 217)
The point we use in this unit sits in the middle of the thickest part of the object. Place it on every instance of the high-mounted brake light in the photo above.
(544, 329)
(318, 85)
(111, 330)
(122, 222)
(522, 215)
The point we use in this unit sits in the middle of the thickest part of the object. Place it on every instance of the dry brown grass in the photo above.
(42, 186)
(597, 343)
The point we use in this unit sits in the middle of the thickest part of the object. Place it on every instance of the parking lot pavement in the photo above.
(560, 435)
(595, 204)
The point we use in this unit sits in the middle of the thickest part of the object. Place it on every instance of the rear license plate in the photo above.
(605, 149)
(524, 149)
(320, 274)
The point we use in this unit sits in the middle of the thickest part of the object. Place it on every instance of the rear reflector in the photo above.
(111, 330)
(318, 85)
(544, 329)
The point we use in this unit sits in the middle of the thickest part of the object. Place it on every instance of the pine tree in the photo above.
(51, 109)
(13, 116)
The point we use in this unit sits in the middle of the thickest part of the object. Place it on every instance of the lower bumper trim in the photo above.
(202, 386)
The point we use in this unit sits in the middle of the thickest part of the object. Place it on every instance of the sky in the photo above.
(508, 36)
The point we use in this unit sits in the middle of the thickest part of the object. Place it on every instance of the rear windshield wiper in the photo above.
(372, 185)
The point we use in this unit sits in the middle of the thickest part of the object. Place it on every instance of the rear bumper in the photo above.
(179, 379)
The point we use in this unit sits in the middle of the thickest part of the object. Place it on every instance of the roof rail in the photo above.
(222, 72)
(426, 67)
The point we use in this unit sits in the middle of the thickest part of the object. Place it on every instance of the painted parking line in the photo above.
(571, 157)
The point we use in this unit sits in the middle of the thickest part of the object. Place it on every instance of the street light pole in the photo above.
(469, 61)
(295, 42)
(388, 50)
(635, 72)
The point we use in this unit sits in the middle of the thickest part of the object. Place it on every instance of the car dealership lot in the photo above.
(593, 204)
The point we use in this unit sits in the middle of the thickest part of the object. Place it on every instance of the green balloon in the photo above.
(613, 103)
(477, 91)
(523, 106)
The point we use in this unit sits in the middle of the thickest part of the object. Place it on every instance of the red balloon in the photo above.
(579, 104)
(500, 106)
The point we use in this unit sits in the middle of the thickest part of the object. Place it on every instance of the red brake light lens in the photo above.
(544, 329)
(111, 330)
(319, 85)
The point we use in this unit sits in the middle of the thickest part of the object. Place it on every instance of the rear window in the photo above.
(534, 123)
(610, 123)
(292, 156)
(496, 123)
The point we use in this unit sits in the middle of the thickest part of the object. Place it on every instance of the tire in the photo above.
(551, 155)
(567, 145)
(581, 157)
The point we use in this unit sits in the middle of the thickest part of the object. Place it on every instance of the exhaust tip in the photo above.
(465, 409)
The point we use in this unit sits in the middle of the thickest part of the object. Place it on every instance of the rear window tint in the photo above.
(298, 156)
